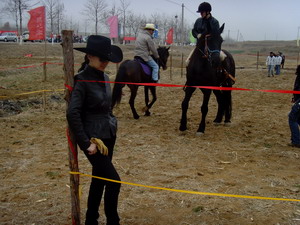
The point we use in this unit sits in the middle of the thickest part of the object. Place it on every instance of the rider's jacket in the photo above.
(206, 26)
(89, 113)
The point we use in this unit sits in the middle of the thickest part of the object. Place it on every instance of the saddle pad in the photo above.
(222, 56)
(145, 67)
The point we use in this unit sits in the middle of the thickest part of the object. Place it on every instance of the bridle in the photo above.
(161, 63)
(207, 51)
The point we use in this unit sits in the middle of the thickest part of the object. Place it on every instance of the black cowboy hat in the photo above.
(100, 46)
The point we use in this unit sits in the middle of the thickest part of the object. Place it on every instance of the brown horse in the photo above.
(200, 72)
(131, 71)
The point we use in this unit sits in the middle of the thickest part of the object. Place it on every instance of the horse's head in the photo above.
(211, 43)
(163, 53)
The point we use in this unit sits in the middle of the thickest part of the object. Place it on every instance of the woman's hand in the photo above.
(92, 149)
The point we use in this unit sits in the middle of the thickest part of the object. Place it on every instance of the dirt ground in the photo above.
(249, 157)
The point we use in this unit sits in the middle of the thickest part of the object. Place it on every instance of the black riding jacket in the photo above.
(89, 113)
(206, 26)
(297, 87)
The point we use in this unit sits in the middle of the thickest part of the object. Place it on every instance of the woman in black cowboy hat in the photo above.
(294, 115)
(91, 120)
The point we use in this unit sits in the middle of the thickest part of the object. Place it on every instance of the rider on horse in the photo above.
(207, 26)
(144, 47)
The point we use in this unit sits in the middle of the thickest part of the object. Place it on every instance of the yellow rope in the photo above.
(31, 92)
(188, 192)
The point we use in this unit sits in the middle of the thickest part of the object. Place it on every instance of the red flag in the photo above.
(113, 24)
(169, 39)
(37, 24)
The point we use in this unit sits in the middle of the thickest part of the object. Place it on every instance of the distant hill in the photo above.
(288, 48)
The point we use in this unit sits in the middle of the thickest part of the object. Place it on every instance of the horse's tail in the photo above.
(229, 66)
(117, 90)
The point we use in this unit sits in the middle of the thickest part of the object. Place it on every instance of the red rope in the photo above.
(71, 145)
(206, 87)
(69, 87)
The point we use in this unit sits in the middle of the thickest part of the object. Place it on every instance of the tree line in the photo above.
(94, 16)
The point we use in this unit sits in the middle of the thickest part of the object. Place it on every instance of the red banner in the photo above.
(169, 39)
(113, 24)
(37, 24)
(129, 38)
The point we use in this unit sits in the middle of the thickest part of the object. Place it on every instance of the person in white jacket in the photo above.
(270, 63)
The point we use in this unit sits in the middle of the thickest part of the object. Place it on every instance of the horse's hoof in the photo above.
(145, 108)
(136, 117)
(147, 114)
(227, 123)
(199, 133)
(182, 128)
(217, 123)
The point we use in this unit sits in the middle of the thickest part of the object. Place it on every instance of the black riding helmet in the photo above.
(204, 7)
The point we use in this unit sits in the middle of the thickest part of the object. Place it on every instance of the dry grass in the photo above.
(250, 157)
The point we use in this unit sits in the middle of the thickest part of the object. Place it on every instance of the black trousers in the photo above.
(103, 167)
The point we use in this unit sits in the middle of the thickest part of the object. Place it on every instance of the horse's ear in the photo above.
(168, 48)
(222, 28)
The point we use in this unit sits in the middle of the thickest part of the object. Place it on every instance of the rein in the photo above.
(207, 52)
(161, 63)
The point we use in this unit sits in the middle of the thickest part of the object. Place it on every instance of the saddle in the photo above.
(147, 69)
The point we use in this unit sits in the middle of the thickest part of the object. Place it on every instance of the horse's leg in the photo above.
(154, 98)
(184, 107)
(133, 92)
(221, 105)
(204, 109)
(228, 106)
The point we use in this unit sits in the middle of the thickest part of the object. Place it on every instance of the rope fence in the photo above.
(159, 85)
(186, 191)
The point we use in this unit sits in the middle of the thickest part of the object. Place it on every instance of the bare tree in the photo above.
(94, 9)
(51, 12)
(135, 23)
(59, 15)
(16, 8)
(123, 9)
(6, 26)
(111, 12)
(11, 9)
(22, 6)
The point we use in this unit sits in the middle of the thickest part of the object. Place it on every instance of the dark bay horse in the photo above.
(200, 72)
(132, 72)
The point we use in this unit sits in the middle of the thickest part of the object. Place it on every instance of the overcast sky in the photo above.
(253, 19)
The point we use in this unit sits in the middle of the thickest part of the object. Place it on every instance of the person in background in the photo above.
(270, 62)
(208, 26)
(294, 115)
(278, 60)
(91, 120)
(283, 59)
(145, 46)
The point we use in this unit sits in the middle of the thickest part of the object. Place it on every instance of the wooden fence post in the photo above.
(171, 64)
(257, 60)
(182, 64)
(45, 63)
(68, 56)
